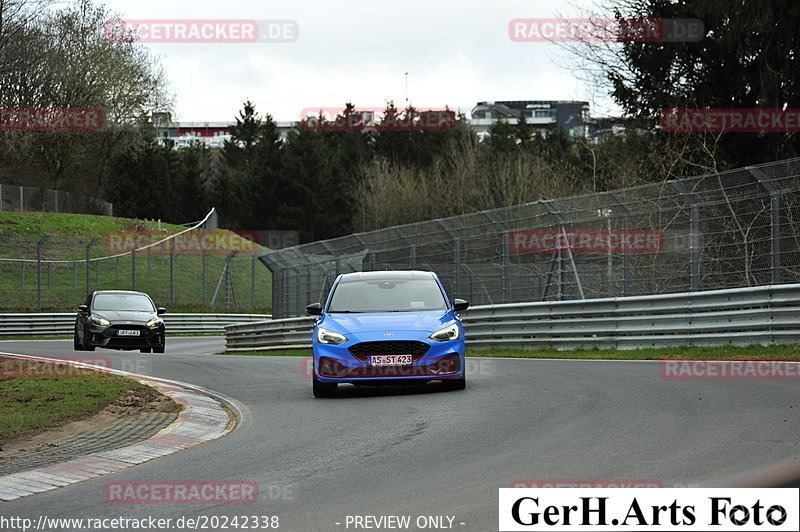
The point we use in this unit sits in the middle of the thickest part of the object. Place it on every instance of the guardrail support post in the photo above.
(775, 219)
(695, 221)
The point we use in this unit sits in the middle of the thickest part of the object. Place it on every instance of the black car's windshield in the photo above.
(122, 302)
(387, 296)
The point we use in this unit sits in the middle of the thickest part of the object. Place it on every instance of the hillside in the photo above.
(67, 237)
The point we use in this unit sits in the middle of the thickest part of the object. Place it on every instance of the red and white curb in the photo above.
(202, 419)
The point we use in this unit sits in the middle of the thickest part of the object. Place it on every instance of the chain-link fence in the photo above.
(732, 229)
(34, 199)
(40, 272)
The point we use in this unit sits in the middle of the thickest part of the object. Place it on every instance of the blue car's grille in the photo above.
(363, 350)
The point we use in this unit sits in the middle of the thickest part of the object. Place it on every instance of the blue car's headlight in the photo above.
(451, 332)
(101, 321)
(324, 336)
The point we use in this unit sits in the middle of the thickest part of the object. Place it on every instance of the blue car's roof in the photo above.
(386, 276)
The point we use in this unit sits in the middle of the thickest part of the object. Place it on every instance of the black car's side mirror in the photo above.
(460, 304)
(161, 310)
(315, 309)
(83, 309)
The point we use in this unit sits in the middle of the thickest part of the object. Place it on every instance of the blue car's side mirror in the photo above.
(460, 304)
(315, 309)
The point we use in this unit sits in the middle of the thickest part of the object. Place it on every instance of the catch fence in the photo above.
(719, 231)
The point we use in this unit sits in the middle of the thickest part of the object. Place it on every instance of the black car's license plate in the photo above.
(127, 332)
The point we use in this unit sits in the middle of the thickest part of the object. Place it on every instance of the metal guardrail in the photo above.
(741, 316)
(58, 324)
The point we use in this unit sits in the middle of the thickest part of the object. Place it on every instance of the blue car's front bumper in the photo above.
(348, 362)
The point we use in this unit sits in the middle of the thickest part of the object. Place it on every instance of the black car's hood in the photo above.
(125, 316)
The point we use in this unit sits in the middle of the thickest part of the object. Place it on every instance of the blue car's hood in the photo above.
(429, 321)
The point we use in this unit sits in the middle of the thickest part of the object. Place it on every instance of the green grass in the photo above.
(40, 223)
(63, 286)
(36, 395)
(750, 352)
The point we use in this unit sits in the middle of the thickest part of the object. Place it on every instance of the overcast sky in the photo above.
(456, 53)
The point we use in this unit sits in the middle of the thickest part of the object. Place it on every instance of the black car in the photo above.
(119, 319)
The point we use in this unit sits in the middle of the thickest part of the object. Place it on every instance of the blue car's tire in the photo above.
(324, 389)
(456, 384)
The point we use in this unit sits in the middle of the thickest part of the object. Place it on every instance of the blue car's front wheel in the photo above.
(324, 389)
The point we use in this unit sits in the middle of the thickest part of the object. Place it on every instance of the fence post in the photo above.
(203, 274)
(253, 282)
(506, 268)
(695, 221)
(775, 219)
(91, 243)
(171, 275)
(21, 199)
(457, 257)
(626, 268)
(39, 271)
(562, 223)
(133, 266)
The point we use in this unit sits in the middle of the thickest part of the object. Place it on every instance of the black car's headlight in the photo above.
(451, 332)
(101, 321)
(154, 323)
(324, 336)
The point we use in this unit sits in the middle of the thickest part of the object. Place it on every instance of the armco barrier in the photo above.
(42, 324)
(741, 316)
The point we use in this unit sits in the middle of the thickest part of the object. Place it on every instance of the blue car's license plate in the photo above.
(389, 360)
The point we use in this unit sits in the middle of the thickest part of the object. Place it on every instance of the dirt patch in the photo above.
(139, 400)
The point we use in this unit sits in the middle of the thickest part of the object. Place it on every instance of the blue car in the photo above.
(392, 327)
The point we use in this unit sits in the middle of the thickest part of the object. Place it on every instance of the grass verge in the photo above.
(723, 352)
(37, 395)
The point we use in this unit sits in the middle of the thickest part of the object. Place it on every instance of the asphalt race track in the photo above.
(426, 452)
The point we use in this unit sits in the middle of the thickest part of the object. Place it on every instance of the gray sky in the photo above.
(456, 53)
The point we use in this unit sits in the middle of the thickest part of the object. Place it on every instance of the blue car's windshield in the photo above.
(412, 295)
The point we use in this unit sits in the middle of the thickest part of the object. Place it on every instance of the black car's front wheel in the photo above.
(76, 343)
(87, 343)
(159, 348)
(324, 389)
